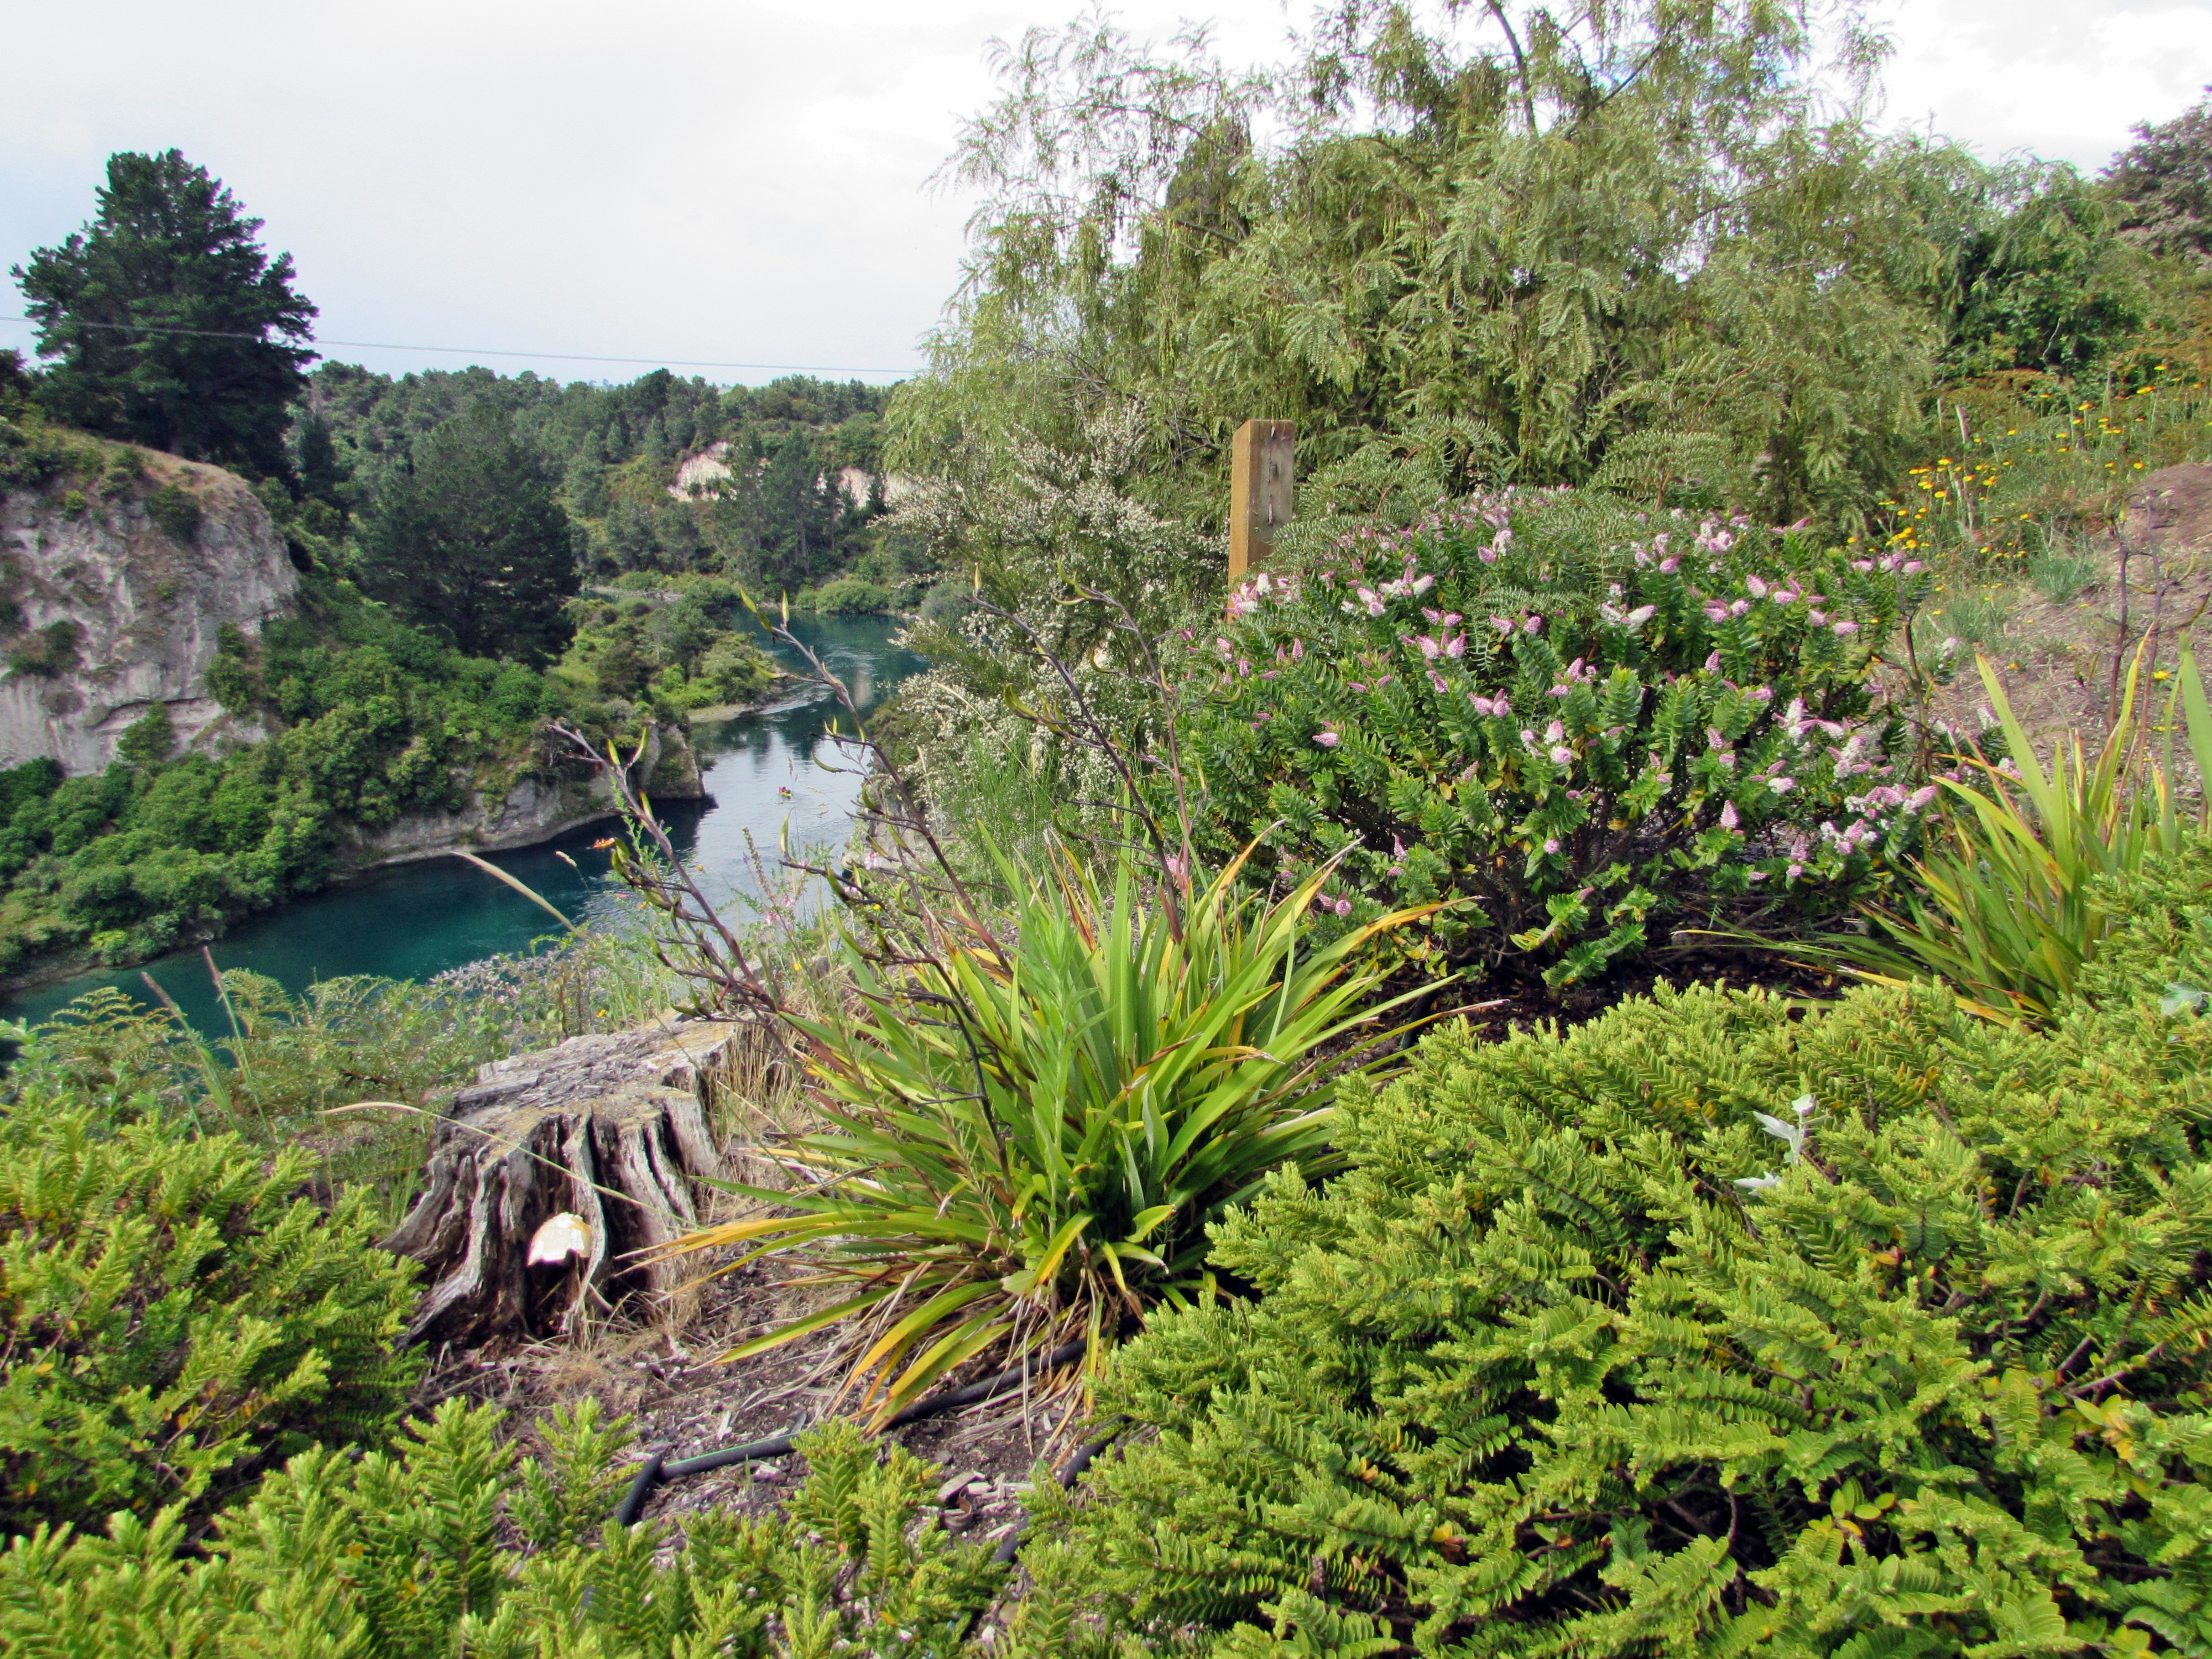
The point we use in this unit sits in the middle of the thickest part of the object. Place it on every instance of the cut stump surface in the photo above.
(611, 1129)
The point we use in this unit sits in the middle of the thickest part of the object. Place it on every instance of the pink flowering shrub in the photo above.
(1587, 726)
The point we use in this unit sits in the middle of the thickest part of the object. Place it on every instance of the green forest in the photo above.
(1604, 1055)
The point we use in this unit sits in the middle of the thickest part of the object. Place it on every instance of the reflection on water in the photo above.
(773, 775)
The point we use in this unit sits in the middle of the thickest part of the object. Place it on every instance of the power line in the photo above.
(486, 351)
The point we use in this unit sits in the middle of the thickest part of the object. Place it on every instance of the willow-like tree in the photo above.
(1537, 244)
(170, 325)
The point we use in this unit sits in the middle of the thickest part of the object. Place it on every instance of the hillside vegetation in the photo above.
(1606, 1058)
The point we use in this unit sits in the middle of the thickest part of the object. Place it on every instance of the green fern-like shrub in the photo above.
(1713, 1327)
(1586, 724)
(176, 1315)
(410, 1554)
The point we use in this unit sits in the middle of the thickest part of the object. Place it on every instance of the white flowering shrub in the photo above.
(1579, 726)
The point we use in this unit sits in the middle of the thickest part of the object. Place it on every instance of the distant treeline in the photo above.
(804, 457)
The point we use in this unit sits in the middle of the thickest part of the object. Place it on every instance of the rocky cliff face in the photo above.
(113, 596)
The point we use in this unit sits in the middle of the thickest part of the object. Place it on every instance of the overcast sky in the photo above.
(740, 183)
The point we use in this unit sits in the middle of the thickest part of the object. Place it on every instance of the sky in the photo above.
(734, 188)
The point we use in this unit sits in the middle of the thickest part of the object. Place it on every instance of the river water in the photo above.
(772, 773)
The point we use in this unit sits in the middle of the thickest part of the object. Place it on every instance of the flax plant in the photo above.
(2013, 906)
(1025, 1142)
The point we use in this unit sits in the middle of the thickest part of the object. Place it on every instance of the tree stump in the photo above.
(593, 1149)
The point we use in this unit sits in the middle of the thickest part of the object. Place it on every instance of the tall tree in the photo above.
(172, 325)
(2164, 185)
(470, 541)
(1453, 244)
(799, 510)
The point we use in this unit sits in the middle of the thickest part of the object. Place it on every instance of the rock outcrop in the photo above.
(531, 808)
(108, 612)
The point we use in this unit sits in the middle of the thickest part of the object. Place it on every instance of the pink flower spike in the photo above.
(1561, 755)
(1532, 625)
(1728, 819)
(1297, 650)
(1423, 584)
(1756, 875)
(1456, 646)
(1668, 566)
(1793, 872)
(1913, 567)
(1756, 586)
(1488, 555)
(1433, 616)
(1551, 846)
(1739, 608)
(1782, 787)
(1344, 907)
(1713, 663)
(1785, 597)
(1327, 739)
(1555, 731)
(1430, 648)
(1847, 628)
(1503, 625)
(1817, 618)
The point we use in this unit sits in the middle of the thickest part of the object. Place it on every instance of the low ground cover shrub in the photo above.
(1578, 725)
(1714, 1326)
(410, 1554)
(176, 1315)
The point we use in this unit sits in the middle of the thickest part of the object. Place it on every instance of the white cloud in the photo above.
(2066, 80)
(734, 182)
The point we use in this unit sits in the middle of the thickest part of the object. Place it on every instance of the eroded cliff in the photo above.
(114, 591)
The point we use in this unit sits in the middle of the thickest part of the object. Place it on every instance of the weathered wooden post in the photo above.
(1262, 498)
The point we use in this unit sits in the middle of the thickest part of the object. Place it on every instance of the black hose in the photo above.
(1011, 1544)
(1072, 1471)
(632, 1503)
(656, 1469)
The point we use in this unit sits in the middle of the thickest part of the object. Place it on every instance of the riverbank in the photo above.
(764, 773)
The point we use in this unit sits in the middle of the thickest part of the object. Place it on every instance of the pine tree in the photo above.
(471, 542)
(172, 326)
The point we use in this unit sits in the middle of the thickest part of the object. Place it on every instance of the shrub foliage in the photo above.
(1704, 1329)
(404, 1554)
(1583, 724)
(176, 1316)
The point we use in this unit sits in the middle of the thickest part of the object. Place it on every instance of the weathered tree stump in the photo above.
(604, 1138)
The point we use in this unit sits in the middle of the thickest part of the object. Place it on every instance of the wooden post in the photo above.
(1262, 496)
